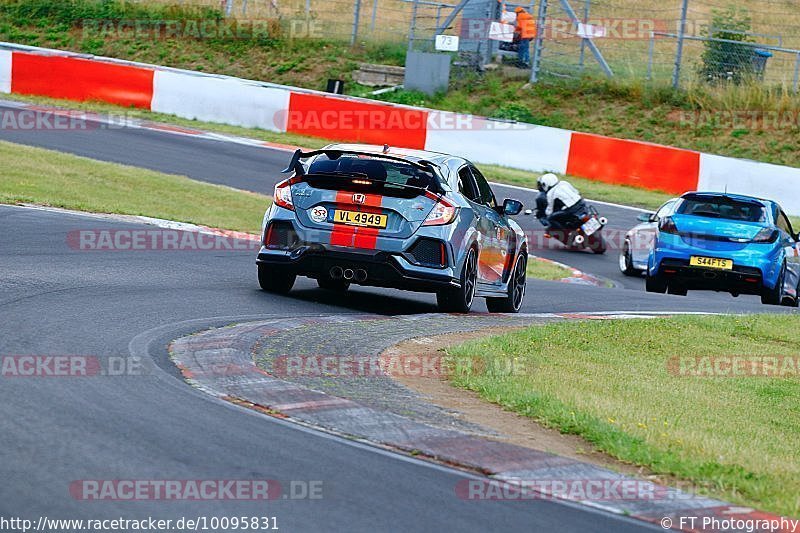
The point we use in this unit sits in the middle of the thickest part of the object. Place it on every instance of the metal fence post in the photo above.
(676, 73)
(356, 15)
(374, 16)
(796, 72)
(650, 52)
(228, 8)
(538, 42)
(586, 7)
(413, 27)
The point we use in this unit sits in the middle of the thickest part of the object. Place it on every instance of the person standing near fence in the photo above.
(526, 29)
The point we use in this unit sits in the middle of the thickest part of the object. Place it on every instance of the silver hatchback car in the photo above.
(640, 238)
(391, 217)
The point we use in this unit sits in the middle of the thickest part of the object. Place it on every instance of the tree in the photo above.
(724, 61)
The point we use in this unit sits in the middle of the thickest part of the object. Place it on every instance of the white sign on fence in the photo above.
(447, 43)
(501, 32)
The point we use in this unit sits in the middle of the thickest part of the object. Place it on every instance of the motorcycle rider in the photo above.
(558, 203)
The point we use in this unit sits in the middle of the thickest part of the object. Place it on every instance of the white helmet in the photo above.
(547, 182)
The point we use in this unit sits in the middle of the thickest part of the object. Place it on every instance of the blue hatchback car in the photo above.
(389, 217)
(726, 242)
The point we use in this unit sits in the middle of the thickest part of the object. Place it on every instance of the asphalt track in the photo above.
(58, 300)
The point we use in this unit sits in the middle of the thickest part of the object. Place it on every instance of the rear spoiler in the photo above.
(297, 167)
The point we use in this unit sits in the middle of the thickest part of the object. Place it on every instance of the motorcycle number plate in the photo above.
(591, 226)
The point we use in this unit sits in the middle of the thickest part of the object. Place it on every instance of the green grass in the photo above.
(541, 269)
(608, 382)
(46, 177)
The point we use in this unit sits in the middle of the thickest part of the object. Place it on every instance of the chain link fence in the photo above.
(665, 42)
(391, 21)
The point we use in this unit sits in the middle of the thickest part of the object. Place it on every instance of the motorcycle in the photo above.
(586, 231)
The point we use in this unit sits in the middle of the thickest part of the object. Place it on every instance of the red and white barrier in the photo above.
(493, 142)
(224, 100)
(201, 96)
(634, 163)
(75, 78)
(753, 178)
(5, 71)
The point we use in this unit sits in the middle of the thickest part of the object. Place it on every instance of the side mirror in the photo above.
(512, 207)
(646, 217)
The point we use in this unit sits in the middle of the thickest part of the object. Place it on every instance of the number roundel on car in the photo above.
(318, 214)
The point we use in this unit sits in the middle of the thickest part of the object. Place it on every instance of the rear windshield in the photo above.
(726, 208)
(392, 174)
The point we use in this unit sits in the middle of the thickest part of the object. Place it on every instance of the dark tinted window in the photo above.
(379, 170)
(466, 185)
(487, 196)
(726, 208)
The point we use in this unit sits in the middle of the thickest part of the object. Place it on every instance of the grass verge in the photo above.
(614, 384)
(547, 270)
(46, 177)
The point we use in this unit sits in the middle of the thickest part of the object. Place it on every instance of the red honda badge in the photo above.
(359, 198)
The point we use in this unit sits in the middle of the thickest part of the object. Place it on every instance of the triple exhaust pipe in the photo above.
(359, 275)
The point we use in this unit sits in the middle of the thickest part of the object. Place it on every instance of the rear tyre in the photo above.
(774, 296)
(655, 284)
(677, 289)
(460, 300)
(330, 284)
(626, 261)
(596, 243)
(276, 280)
(516, 289)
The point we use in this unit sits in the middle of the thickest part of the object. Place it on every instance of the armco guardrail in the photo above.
(227, 100)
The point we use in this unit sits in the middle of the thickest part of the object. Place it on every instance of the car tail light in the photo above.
(667, 225)
(283, 194)
(442, 213)
(766, 235)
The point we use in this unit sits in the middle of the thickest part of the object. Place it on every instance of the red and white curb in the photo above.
(220, 362)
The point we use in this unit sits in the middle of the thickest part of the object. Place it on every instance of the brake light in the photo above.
(766, 235)
(667, 225)
(283, 195)
(442, 213)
